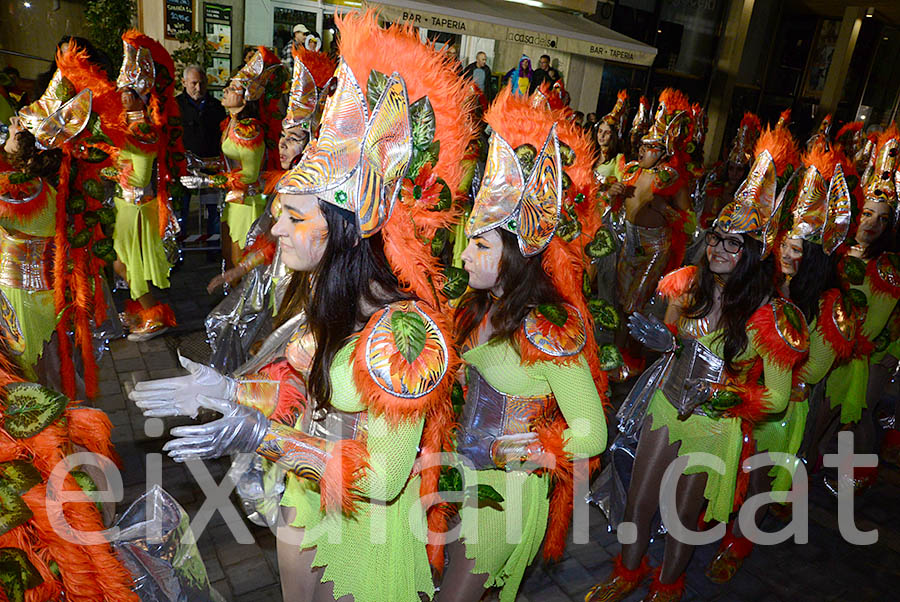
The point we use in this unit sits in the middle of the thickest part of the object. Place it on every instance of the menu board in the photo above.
(217, 27)
(179, 17)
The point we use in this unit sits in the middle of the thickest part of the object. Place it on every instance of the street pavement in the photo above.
(825, 568)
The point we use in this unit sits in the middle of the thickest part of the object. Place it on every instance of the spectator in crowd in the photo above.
(201, 117)
(557, 87)
(453, 53)
(591, 120)
(302, 36)
(520, 77)
(541, 74)
(579, 118)
(481, 75)
(15, 89)
(249, 51)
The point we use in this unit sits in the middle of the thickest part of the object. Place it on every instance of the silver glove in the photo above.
(240, 429)
(196, 182)
(651, 332)
(178, 396)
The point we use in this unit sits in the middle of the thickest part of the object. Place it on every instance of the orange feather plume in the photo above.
(751, 121)
(781, 145)
(784, 119)
(675, 100)
(824, 161)
(319, 64)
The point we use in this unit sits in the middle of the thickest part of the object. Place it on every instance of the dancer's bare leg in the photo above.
(300, 582)
(460, 584)
(689, 502)
(653, 457)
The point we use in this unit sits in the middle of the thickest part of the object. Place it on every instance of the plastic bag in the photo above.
(235, 323)
(155, 543)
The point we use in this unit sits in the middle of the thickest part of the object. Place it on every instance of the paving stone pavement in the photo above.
(825, 568)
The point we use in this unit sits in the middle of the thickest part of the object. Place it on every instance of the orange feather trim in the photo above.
(266, 245)
(397, 409)
(21, 211)
(91, 429)
(676, 284)
(879, 284)
(348, 462)
(562, 493)
(319, 64)
(678, 239)
(767, 339)
(781, 145)
(60, 259)
(629, 575)
(161, 312)
(271, 178)
(437, 437)
(133, 307)
(669, 590)
(291, 400)
(843, 349)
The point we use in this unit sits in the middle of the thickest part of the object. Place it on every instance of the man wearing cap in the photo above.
(303, 37)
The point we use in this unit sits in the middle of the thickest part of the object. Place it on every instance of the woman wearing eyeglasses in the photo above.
(728, 365)
(807, 276)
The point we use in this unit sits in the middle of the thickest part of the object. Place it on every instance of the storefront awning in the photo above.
(512, 22)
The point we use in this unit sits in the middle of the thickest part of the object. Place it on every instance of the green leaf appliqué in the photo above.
(30, 408)
(408, 329)
(554, 312)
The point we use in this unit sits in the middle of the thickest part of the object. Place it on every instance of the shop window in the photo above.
(284, 21)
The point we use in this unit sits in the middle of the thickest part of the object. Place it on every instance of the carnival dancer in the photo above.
(821, 139)
(851, 140)
(257, 83)
(41, 428)
(527, 340)
(722, 179)
(871, 268)
(359, 212)
(818, 223)
(640, 125)
(728, 367)
(657, 206)
(153, 145)
(49, 269)
(610, 138)
(242, 319)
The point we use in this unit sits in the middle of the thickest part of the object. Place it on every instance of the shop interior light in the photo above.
(529, 3)
(870, 12)
(26, 4)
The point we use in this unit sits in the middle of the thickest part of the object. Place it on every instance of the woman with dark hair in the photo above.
(371, 355)
(870, 267)
(533, 407)
(93, 54)
(244, 152)
(807, 276)
(727, 367)
(610, 132)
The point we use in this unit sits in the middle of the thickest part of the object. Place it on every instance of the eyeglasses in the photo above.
(729, 244)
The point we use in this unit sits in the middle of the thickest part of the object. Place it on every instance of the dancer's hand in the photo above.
(516, 450)
(651, 332)
(178, 396)
(240, 429)
(195, 182)
(230, 276)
